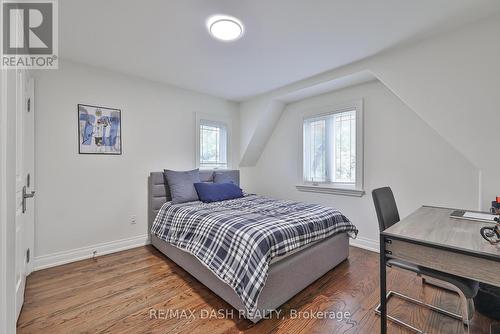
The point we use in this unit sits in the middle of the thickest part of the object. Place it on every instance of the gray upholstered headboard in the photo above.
(158, 192)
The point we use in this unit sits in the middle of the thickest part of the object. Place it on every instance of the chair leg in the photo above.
(467, 304)
(465, 319)
(467, 315)
(396, 320)
(467, 310)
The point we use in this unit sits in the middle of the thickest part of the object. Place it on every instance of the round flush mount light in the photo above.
(225, 28)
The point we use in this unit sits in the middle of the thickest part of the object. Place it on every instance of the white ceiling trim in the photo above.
(327, 86)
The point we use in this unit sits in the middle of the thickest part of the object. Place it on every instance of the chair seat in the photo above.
(468, 287)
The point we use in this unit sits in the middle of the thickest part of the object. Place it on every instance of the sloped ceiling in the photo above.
(259, 117)
(452, 81)
(264, 121)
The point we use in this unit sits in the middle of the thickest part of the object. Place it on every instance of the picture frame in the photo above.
(99, 130)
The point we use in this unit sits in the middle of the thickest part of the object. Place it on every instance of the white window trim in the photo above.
(216, 119)
(356, 190)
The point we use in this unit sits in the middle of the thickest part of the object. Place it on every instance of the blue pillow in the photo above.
(214, 192)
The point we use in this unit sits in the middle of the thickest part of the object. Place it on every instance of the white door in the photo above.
(25, 158)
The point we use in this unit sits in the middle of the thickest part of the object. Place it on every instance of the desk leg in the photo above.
(383, 287)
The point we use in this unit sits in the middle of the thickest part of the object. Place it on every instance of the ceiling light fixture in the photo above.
(225, 28)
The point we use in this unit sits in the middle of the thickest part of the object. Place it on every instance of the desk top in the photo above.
(433, 226)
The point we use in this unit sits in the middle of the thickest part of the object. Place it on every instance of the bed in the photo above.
(287, 275)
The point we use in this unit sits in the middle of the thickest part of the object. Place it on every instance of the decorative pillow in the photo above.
(181, 185)
(214, 192)
(227, 176)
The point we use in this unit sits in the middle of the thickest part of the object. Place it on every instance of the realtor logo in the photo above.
(29, 34)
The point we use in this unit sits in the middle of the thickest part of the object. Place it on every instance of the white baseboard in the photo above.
(368, 244)
(56, 259)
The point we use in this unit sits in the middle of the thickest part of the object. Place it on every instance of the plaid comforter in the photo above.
(237, 239)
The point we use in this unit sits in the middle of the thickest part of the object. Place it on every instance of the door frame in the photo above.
(7, 205)
(3, 206)
(4, 326)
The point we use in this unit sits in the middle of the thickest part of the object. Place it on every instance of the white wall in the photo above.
(400, 150)
(453, 82)
(87, 200)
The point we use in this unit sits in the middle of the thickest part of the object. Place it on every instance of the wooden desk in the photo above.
(430, 238)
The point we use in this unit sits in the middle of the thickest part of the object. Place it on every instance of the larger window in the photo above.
(213, 144)
(332, 149)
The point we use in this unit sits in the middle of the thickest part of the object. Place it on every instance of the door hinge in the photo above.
(28, 255)
(29, 104)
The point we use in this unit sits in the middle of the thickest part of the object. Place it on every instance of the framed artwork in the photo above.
(99, 130)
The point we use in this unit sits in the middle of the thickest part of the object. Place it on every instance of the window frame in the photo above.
(216, 120)
(335, 187)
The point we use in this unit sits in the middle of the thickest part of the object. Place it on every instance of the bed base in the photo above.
(287, 276)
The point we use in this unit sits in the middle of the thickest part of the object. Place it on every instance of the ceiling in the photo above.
(285, 40)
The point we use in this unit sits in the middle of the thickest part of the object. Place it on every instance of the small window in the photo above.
(213, 152)
(332, 148)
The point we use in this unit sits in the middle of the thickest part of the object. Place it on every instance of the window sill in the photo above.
(213, 168)
(330, 190)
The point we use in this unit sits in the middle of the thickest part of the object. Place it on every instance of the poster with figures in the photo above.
(99, 130)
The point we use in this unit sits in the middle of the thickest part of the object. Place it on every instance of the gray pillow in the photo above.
(181, 185)
(227, 176)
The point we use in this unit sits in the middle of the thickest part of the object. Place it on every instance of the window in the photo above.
(332, 151)
(213, 144)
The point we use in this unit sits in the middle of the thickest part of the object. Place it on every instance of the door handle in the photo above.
(25, 196)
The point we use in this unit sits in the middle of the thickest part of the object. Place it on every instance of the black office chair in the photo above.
(388, 215)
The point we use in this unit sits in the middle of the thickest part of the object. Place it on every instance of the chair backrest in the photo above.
(385, 205)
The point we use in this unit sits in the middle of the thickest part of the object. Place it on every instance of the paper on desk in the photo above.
(479, 215)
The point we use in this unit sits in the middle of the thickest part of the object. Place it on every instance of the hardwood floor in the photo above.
(140, 291)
